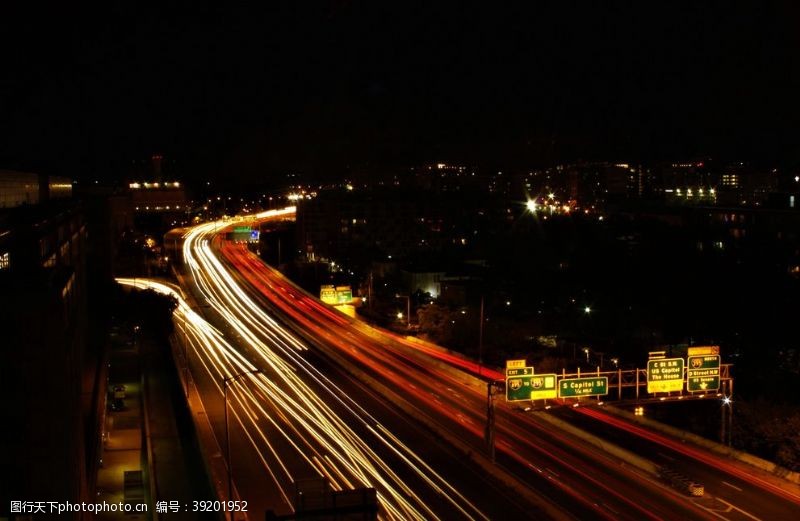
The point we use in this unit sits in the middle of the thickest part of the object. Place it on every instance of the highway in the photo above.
(365, 407)
(298, 419)
(585, 483)
(742, 491)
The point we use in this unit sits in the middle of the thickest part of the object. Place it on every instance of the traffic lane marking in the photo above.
(748, 514)
(732, 486)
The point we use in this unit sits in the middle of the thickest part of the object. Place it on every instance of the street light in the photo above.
(480, 340)
(185, 358)
(586, 350)
(408, 309)
(226, 382)
(726, 423)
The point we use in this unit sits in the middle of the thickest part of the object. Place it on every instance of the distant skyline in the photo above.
(322, 87)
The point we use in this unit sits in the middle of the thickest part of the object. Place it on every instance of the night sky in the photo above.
(332, 86)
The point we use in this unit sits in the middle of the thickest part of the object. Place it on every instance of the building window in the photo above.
(4, 261)
(730, 180)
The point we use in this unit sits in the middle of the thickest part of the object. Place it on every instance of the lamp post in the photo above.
(480, 340)
(185, 358)
(726, 424)
(226, 382)
(408, 308)
(584, 326)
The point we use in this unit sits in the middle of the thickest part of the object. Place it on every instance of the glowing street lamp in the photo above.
(531, 205)
(408, 309)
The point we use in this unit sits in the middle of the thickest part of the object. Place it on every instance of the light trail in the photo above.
(406, 364)
(397, 367)
(402, 363)
(697, 454)
(280, 403)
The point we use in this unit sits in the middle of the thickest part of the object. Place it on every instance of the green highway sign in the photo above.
(573, 387)
(523, 385)
(702, 373)
(518, 381)
(518, 384)
(665, 375)
(334, 295)
(543, 386)
(344, 294)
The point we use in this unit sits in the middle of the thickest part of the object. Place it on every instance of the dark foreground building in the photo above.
(43, 319)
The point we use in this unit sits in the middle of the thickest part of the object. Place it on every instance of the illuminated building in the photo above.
(687, 182)
(447, 177)
(158, 197)
(742, 184)
(597, 183)
(22, 188)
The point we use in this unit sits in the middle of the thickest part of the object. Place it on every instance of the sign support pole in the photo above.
(730, 423)
(480, 340)
(723, 421)
(490, 420)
